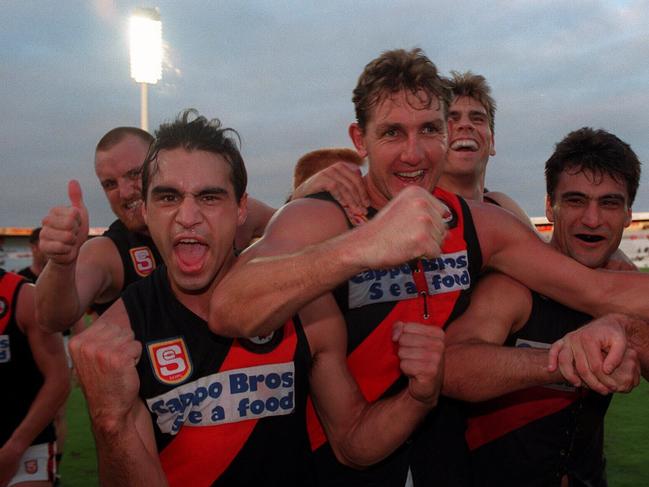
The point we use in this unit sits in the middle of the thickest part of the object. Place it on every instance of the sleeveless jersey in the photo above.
(226, 412)
(20, 378)
(138, 253)
(432, 292)
(535, 436)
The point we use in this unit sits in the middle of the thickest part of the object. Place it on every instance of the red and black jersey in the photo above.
(226, 412)
(137, 252)
(432, 292)
(535, 436)
(20, 378)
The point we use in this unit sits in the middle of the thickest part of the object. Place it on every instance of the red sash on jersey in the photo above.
(197, 456)
(497, 417)
(9, 284)
(374, 364)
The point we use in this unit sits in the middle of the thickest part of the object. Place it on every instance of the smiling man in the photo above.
(171, 402)
(401, 107)
(552, 435)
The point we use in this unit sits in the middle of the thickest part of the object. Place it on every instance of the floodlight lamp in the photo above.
(146, 45)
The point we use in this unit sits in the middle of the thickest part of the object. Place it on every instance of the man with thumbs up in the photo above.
(80, 272)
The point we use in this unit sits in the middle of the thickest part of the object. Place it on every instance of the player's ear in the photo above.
(242, 212)
(143, 211)
(629, 217)
(492, 151)
(357, 135)
(549, 211)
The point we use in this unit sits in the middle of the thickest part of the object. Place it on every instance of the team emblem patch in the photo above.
(263, 344)
(451, 218)
(4, 306)
(170, 360)
(143, 260)
(31, 467)
(5, 349)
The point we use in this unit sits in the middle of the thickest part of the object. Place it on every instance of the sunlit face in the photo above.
(470, 139)
(589, 215)
(192, 214)
(119, 172)
(405, 142)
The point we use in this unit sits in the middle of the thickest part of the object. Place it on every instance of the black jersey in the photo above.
(20, 378)
(535, 436)
(138, 253)
(226, 412)
(431, 292)
(28, 274)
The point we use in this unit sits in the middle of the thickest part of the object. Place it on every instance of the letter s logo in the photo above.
(170, 360)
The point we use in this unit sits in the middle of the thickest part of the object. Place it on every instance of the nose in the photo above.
(591, 217)
(189, 213)
(412, 152)
(127, 189)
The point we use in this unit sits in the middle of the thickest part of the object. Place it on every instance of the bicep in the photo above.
(335, 393)
(99, 272)
(498, 305)
(296, 225)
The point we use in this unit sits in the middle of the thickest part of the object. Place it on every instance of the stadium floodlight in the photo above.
(145, 31)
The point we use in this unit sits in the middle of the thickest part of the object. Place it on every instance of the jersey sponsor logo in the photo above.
(447, 273)
(143, 260)
(4, 307)
(170, 360)
(227, 397)
(559, 386)
(31, 466)
(5, 349)
(263, 344)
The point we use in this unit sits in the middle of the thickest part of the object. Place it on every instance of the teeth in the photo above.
(412, 174)
(464, 144)
(188, 241)
(133, 204)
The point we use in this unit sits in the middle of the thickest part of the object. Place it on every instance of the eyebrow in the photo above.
(569, 194)
(205, 191)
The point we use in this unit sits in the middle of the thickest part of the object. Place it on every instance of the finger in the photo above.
(565, 361)
(585, 371)
(396, 331)
(75, 194)
(617, 347)
(553, 355)
(355, 177)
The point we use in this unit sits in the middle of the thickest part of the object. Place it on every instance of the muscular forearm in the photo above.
(57, 300)
(124, 461)
(382, 428)
(258, 296)
(509, 369)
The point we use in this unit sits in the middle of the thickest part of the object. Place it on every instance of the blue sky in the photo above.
(282, 72)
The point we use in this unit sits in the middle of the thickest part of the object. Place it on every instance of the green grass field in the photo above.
(627, 442)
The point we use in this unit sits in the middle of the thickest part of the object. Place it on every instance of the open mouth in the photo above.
(131, 205)
(190, 253)
(410, 176)
(464, 145)
(588, 238)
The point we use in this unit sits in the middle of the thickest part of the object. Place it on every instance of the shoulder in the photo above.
(504, 201)
(299, 223)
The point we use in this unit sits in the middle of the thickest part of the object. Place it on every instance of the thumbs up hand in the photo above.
(65, 228)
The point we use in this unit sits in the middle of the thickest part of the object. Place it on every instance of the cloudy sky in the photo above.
(282, 72)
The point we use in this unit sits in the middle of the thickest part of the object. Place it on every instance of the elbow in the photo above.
(222, 321)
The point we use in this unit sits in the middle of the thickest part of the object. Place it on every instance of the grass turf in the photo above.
(627, 441)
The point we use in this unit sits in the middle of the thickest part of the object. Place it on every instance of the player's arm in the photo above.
(360, 433)
(511, 247)
(478, 367)
(49, 356)
(510, 205)
(79, 271)
(105, 356)
(66, 291)
(307, 250)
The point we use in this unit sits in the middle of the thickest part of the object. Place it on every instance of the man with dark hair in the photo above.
(528, 430)
(35, 383)
(415, 260)
(213, 410)
(39, 260)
